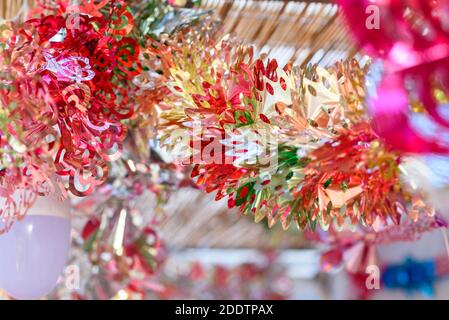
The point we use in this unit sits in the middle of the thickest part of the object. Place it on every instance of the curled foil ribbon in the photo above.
(66, 89)
(330, 167)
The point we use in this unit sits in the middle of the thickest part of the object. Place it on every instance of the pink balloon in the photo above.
(33, 254)
(404, 33)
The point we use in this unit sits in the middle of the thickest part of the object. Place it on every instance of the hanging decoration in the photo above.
(288, 144)
(68, 88)
(89, 80)
(413, 40)
(356, 248)
(119, 236)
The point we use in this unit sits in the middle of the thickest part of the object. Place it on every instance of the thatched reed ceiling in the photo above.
(196, 220)
(302, 31)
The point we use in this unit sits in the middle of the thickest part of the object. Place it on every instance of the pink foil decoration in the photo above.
(412, 37)
(399, 126)
(403, 33)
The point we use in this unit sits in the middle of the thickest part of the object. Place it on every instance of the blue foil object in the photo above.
(411, 276)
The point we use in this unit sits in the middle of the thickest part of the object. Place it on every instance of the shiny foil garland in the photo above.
(63, 91)
(116, 245)
(312, 114)
(412, 38)
(119, 223)
(330, 167)
(409, 100)
(68, 87)
(355, 248)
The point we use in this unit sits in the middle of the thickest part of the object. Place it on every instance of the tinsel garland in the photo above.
(72, 83)
(288, 144)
